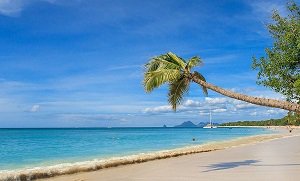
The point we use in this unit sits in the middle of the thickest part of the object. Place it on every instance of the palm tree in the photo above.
(174, 70)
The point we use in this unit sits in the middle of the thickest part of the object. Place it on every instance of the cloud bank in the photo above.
(223, 105)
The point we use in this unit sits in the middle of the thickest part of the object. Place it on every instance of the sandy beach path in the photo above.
(276, 160)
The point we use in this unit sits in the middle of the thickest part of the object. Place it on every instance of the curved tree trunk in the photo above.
(253, 100)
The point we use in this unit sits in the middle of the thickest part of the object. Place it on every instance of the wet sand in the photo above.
(254, 158)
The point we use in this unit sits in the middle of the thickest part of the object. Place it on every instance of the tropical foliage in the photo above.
(173, 70)
(280, 68)
(285, 121)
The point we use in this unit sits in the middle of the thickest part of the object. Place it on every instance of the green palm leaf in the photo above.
(156, 78)
(176, 91)
(169, 68)
(193, 62)
(160, 62)
(179, 61)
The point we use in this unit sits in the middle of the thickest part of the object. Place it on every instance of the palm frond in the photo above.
(152, 65)
(201, 77)
(177, 89)
(160, 62)
(174, 58)
(169, 68)
(194, 61)
(156, 78)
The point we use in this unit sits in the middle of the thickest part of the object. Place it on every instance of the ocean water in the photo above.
(27, 148)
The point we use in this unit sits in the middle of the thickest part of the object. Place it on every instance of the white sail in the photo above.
(210, 125)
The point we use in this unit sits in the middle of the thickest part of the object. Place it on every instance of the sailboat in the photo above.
(210, 125)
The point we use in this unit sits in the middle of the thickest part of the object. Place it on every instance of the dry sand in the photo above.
(268, 159)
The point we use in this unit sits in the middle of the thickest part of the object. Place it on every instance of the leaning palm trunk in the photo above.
(254, 100)
(174, 70)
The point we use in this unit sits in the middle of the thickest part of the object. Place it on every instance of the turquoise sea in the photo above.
(27, 148)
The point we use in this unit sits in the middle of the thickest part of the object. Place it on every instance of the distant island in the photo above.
(285, 121)
(190, 124)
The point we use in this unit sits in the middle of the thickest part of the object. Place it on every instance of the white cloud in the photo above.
(217, 100)
(270, 112)
(275, 111)
(219, 110)
(204, 113)
(35, 108)
(158, 109)
(264, 8)
(243, 105)
(13, 8)
(192, 106)
(227, 107)
(88, 117)
(191, 103)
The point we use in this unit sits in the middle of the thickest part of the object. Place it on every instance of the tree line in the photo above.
(290, 119)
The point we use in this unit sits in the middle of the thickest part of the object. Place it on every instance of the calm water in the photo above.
(25, 148)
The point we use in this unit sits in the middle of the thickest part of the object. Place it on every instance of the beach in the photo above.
(72, 150)
(276, 158)
(184, 158)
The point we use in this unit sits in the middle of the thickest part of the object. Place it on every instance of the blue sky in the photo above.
(79, 63)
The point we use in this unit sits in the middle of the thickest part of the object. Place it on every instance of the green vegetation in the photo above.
(290, 119)
(175, 71)
(280, 69)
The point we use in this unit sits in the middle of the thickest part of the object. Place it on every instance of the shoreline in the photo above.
(87, 166)
(279, 127)
(275, 160)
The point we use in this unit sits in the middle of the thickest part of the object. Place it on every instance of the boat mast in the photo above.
(210, 118)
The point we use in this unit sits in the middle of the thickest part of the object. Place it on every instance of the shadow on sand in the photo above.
(230, 165)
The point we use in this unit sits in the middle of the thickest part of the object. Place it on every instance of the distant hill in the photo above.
(190, 124)
(202, 124)
(186, 124)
